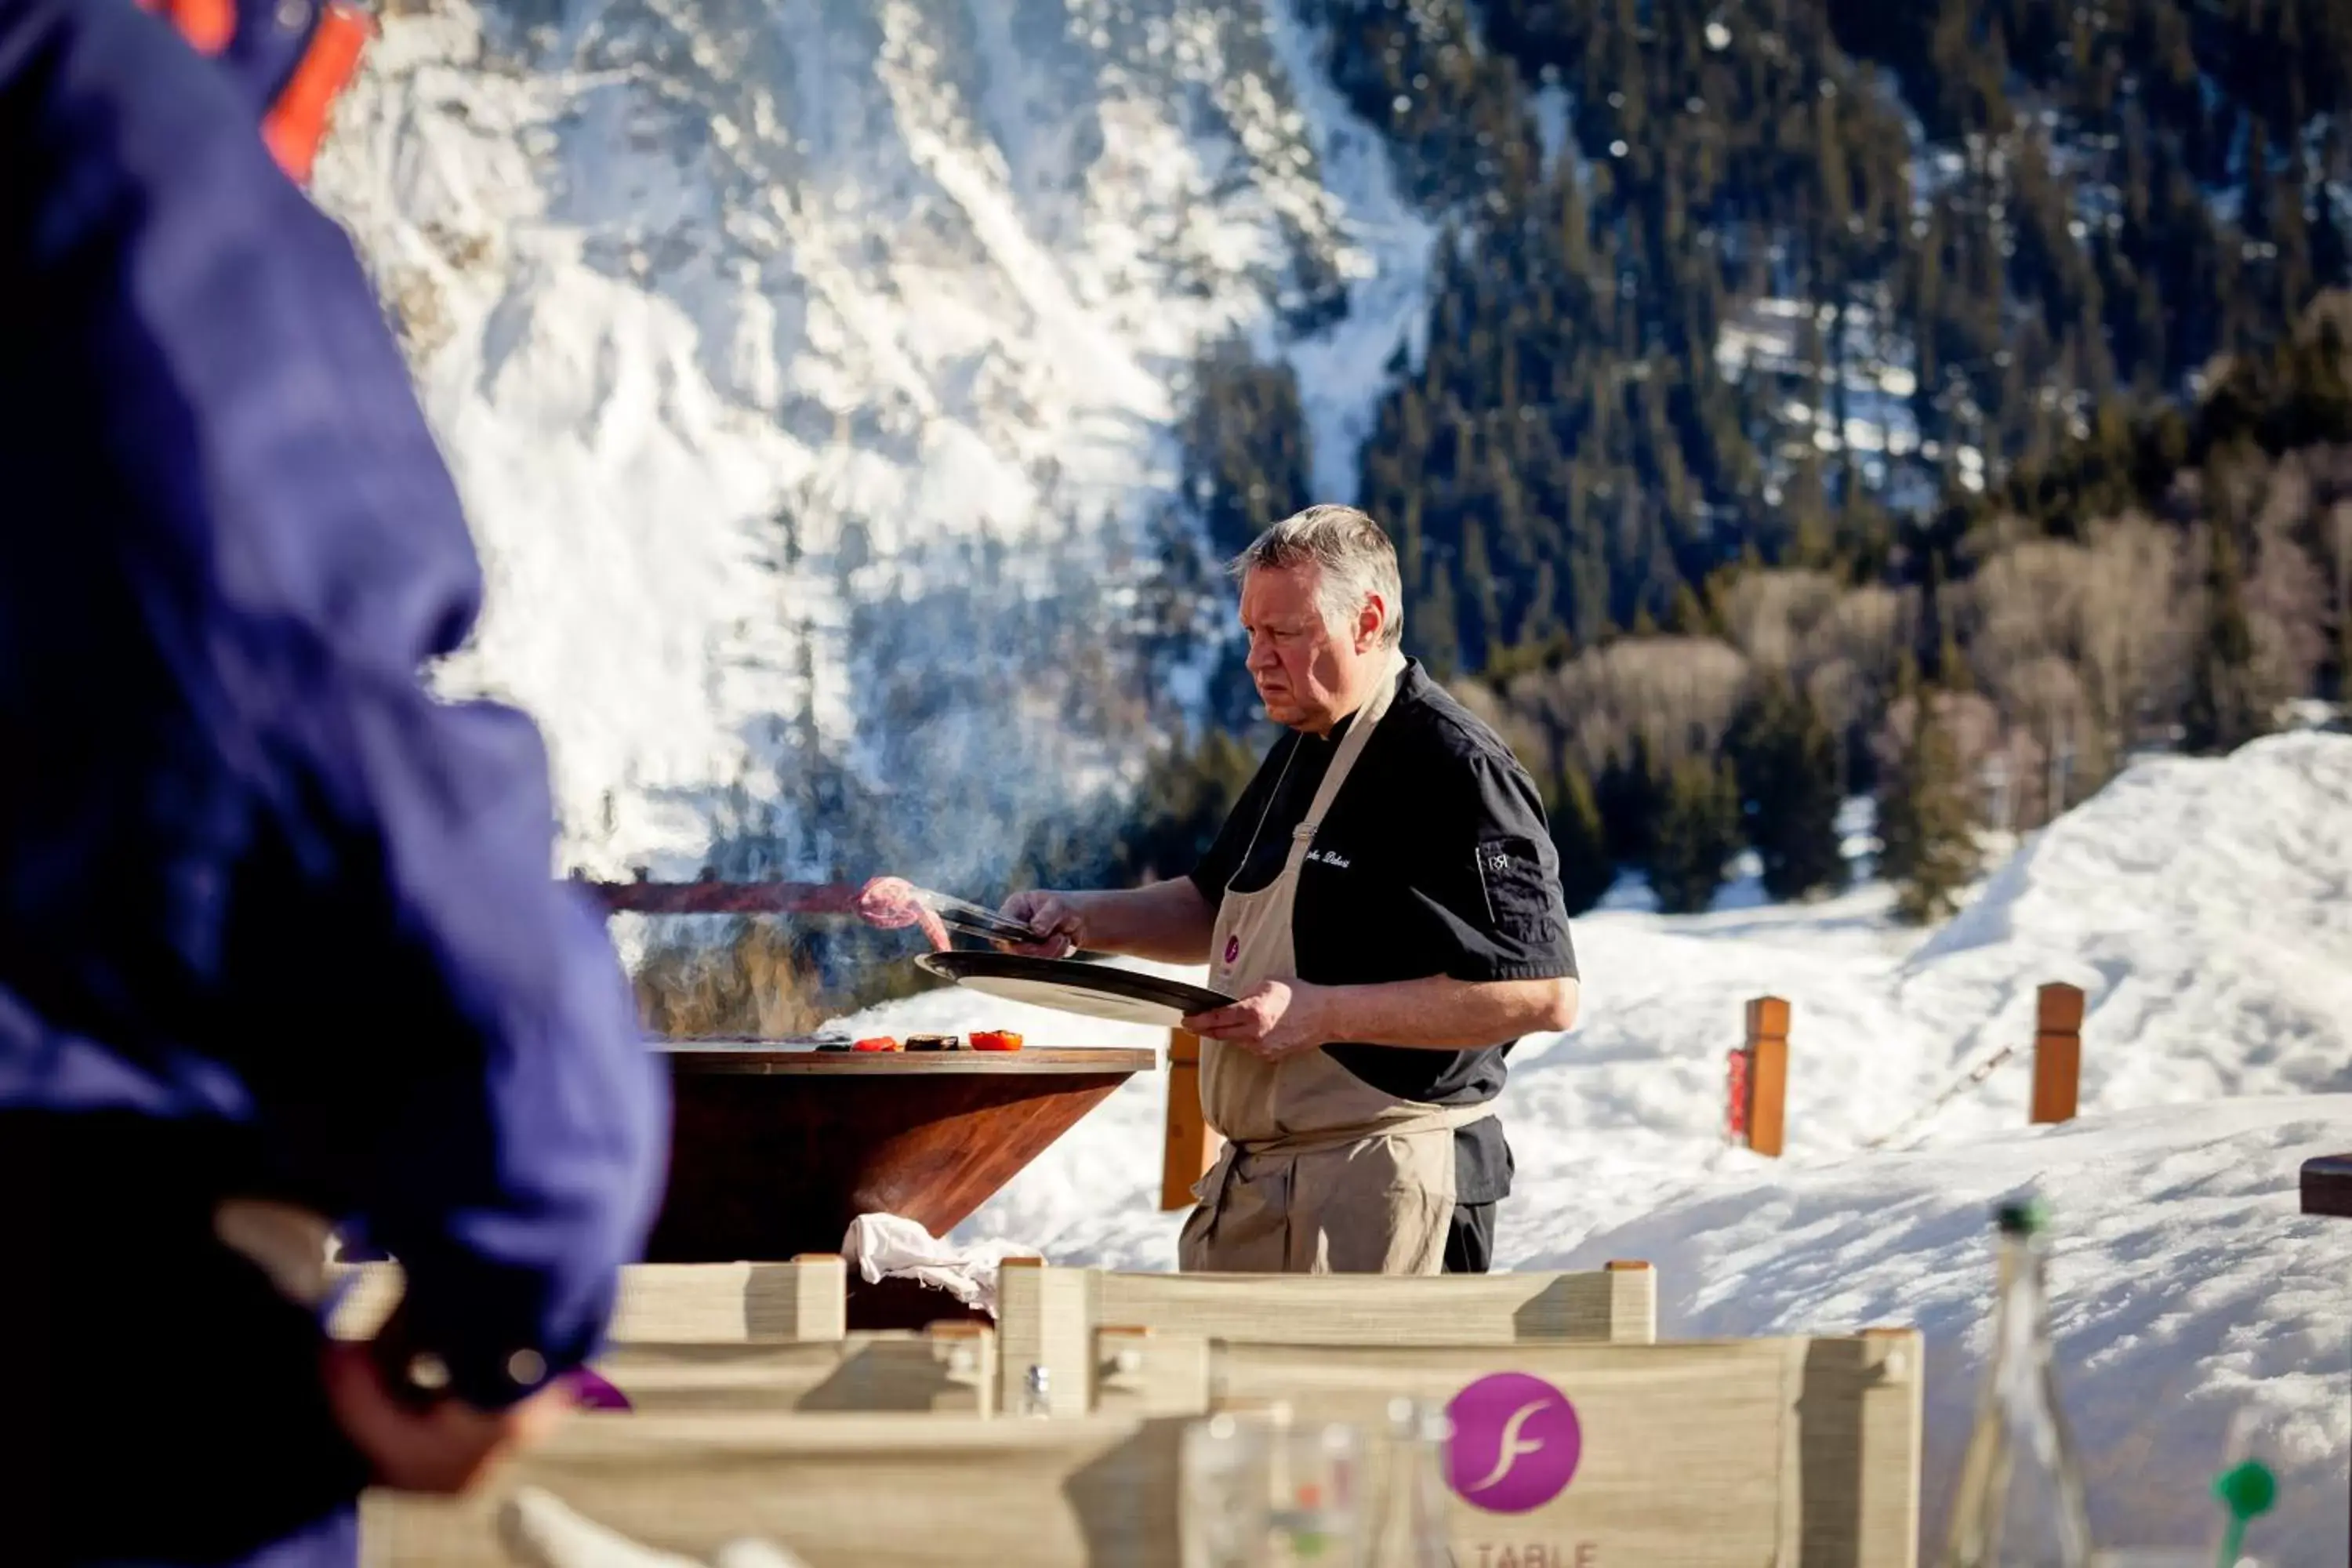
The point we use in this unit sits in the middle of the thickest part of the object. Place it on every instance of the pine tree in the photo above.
(1697, 832)
(1927, 813)
(1586, 870)
(1787, 763)
(1435, 635)
(2343, 651)
(1561, 447)
(1689, 616)
(1183, 803)
(2224, 710)
(1630, 798)
(1898, 835)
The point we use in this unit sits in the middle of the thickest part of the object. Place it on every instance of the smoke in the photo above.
(1005, 705)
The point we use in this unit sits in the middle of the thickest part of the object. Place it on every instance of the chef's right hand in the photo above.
(1055, 914)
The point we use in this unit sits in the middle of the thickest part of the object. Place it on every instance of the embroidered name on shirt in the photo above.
(1328, 857)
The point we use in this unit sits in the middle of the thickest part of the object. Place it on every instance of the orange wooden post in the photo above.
(2057, 1051)
(1191, 1148)
(1767, 1073)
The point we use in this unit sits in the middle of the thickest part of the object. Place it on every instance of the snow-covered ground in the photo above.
(2188, 1290)
(2205, 907)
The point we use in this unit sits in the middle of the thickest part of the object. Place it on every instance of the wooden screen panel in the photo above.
(1697, 1456)
(723, 1303)
(951, 1370)
(1617, 1304)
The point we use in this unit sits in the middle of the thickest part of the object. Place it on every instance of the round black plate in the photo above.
(1095, 990)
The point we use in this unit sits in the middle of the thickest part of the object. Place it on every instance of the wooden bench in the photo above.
(675, 1303)
(1046, 1316)
(949, 1369)
(1715, 1454)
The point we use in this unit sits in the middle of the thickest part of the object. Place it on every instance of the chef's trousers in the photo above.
(1470, 1239)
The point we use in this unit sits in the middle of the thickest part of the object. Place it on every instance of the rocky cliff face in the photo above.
(808, 368)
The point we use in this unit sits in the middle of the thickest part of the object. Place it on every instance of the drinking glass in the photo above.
(1410, 1500)
(1261, 1490)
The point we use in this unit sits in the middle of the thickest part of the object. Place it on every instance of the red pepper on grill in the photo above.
(877, 1043)
(995, 1040)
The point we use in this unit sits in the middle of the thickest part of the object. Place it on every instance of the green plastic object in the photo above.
(2245, 1489)
(2025, 1216)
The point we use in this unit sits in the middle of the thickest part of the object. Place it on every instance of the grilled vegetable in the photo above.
(934, 1042)
(995, 1040)
(877, 1043)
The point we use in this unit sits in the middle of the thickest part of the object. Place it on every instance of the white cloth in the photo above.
(539, 1529)
(884, 1246)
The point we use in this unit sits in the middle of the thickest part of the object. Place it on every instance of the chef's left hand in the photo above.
(1280, 1018)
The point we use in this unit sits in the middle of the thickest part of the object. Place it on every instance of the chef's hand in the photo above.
(444, 1447)
(1280, 1018)
(1058, 915)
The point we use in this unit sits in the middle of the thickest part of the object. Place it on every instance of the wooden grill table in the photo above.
(774, 1151)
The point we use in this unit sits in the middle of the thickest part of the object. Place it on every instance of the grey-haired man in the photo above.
(1385, 904)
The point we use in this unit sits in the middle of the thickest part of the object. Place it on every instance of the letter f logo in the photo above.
(1515, 1443)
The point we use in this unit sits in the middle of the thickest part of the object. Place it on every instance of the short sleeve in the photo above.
(1489, 875)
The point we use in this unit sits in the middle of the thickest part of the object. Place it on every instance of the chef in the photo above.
(1385, 904)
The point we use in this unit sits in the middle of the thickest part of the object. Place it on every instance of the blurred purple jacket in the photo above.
(272, 917)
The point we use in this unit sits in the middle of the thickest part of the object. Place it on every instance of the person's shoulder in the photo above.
(1442, 732)
(110, 87)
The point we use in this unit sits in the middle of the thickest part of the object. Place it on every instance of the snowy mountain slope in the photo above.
(730, 315)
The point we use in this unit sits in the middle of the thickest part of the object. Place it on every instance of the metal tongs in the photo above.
(974, 920)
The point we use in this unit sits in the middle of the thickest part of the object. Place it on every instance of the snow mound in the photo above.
(2205, 907)
(2187, 1288)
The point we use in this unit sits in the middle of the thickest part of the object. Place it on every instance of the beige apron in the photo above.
(1321, 1173)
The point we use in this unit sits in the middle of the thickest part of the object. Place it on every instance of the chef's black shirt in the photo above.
(1434, 859)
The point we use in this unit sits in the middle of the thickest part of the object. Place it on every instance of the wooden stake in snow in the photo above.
(2057, 1051)
(1767, 1051)
(1191, 1148)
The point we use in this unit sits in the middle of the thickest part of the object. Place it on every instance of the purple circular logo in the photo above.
(1233, 948)
(1515, 1443)
(590, 1391)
